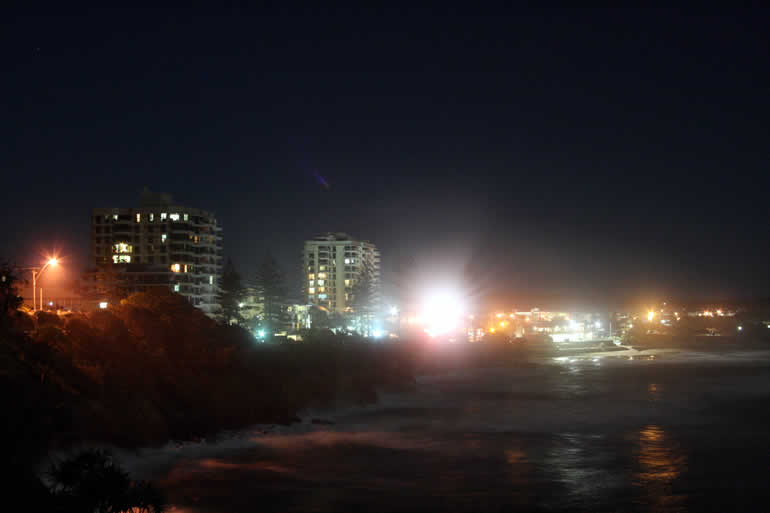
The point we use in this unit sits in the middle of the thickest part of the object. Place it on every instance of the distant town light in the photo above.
(240, 305)
(740, 328)
(261, 333)
(103, 305)
(650, 315)
(50, 303)
(377, 333)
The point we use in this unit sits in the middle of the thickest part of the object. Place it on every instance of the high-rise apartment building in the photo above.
(332, 263)
(159, 244)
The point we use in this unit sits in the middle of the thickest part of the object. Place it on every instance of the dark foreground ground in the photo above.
(673, 431)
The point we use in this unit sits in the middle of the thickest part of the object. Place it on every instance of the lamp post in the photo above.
(36, 272)
(396, 312)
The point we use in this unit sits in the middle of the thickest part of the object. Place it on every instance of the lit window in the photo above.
(176, 268)
(152, 217)
(321, 296)
(320, 282)
(163, 216)
(321, 289)
(121, 259)
(122, 247)
(186, 217)
(321, 276)
(211, 279)
(311, 290)
(347, 260)
(138, 217)
(322, 268)
(163, 238)
(103, 305)
(312, 282)
(174, 217)
(347, 283)
(195, 239)
(176, 287)
(311, 276)
(185, 267)
(114, 217)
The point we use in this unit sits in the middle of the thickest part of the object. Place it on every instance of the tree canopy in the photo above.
(271, 288)
(231, 295)
(365, 296)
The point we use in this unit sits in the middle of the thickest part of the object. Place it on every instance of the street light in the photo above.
(36, 272)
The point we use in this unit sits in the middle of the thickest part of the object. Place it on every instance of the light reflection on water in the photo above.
(569, 435)
(660, 463)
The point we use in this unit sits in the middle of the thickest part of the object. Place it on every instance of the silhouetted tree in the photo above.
(93, 481)
(319, 319)
(231, 295)
(9, 298)
(271, 288)
(337, 321)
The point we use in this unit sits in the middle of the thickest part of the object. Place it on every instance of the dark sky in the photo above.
(550, 155)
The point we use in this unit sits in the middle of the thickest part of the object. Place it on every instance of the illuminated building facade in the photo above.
(332, 264)
(159, 244)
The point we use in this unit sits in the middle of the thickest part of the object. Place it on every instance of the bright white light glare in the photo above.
(393, 310)
(240, 305)
(740, 328)
(103, 305)
(261, 333)
(376, 333)
(573, 324)
(441, 313)
(598, 324)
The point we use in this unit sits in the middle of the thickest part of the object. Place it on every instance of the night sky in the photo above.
(548, 156)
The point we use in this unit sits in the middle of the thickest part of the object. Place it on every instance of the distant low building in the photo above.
(300, 317)
(252, 306)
